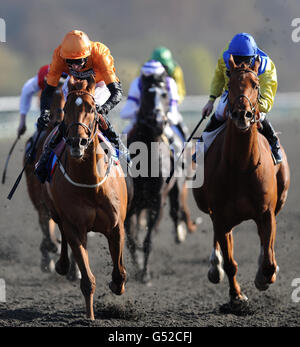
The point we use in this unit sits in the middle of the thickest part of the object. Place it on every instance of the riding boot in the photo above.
(213, 124)
(269, 133)
(41, 169)
(115, 139)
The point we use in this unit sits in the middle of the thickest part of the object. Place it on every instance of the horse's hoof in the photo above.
(238, 302)
(216, 274)
(62, 269)
(180, 233)
(73, 275)
(47, 265)
(262, 283)
(192, 227)
(118, 290)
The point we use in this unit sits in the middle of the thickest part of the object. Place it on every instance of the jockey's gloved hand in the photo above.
(43, 120)
(101, 109)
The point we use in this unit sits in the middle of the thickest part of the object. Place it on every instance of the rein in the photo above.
(91, 133)
(252, 121)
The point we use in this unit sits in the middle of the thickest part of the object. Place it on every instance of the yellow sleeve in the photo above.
(268, 87)
(218, 82)
(179, 79)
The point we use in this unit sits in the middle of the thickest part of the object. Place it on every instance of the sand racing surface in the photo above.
(180, 295)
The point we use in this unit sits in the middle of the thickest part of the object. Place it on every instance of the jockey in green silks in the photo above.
(243, 48)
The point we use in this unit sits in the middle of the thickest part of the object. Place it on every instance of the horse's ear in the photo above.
(256, 64)
(91, 83)
(231, 62)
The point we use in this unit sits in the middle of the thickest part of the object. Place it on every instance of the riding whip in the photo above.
(10, 195)
(183, 149)
(8, 157)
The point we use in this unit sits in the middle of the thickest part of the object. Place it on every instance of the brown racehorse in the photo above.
(88, 193)
(241, 182)
(34, 187)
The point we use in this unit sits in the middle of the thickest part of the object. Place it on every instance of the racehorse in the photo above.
(34, 187)
(241, 183)
(87, 192)
(150, 193)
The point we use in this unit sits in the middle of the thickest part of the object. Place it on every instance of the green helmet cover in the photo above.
(164, 56)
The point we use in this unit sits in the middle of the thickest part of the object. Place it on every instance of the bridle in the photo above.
(252, 113)
(91, 131)
(158, 106)
(253, 107)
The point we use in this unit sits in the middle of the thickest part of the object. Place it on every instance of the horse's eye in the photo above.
(164, 95)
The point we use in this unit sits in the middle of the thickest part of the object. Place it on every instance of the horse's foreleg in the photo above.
(191, 225)
(152, 216)
(116, 246)
(131, 239)
(216, 271)
(78, 243)
(225, 239)
(176, 214)
(63, 264)
(47, 245)
(267, 267)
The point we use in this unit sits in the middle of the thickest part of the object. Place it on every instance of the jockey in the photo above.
(81, 58)
(243, 48)
(31, 87)
(132, 105)
(164, 56)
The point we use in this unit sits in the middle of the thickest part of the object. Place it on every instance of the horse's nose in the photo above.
(76, 142)
(83, 142)
(242, 114)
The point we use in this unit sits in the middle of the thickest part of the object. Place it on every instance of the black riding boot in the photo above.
(115, 139)
(269, 133)
(213, 124)
(41, 166)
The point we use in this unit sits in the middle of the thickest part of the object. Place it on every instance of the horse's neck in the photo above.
(241, 150)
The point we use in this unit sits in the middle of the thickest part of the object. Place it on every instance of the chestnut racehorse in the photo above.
(241, 182)
(87, 192)
(34, 187)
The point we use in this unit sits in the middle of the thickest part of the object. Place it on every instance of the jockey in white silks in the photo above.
(132, 105)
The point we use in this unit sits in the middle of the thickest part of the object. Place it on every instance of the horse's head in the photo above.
(154, 103)
(244, 93)
(80, 115)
